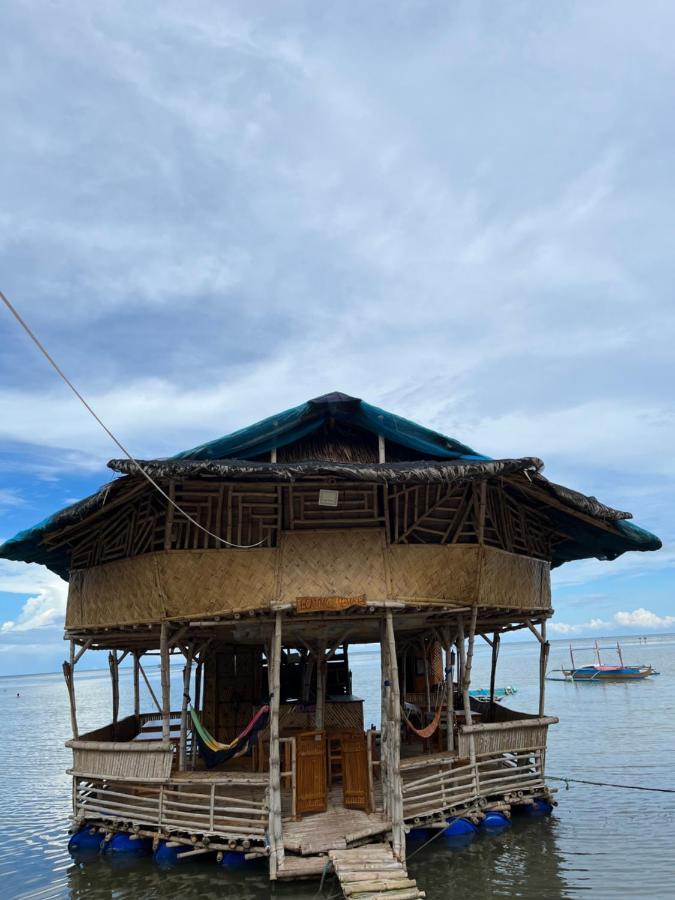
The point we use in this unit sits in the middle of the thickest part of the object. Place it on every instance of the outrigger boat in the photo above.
(602, 672)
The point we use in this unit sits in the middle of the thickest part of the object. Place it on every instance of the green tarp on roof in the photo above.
(293, 424)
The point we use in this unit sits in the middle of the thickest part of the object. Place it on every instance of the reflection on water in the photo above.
(600, 840)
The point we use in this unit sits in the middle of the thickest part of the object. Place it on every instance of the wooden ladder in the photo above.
(372, 872)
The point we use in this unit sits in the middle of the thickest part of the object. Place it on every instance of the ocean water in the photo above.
(600, 841)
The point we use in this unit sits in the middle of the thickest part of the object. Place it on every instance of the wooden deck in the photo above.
(373, 873)
(333, 829)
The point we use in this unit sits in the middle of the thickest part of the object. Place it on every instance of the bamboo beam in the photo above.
(275, 827)
(166, 682)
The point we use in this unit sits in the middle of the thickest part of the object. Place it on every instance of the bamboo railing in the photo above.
(229, 807)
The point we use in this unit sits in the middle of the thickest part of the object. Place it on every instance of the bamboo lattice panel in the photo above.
(332, 563)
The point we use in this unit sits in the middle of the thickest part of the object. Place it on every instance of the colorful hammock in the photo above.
(213, 752)
(426, 732)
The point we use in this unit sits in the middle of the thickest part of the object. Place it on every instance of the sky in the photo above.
(462, 212)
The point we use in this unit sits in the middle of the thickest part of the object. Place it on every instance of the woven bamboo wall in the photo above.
(347, 564)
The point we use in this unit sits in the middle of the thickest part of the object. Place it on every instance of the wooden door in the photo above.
(311, 772)
(355, 770)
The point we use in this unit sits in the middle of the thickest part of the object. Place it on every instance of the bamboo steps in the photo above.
(372, 872)
(301, 867)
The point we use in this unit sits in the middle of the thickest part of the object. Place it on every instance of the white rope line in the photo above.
(124, 450)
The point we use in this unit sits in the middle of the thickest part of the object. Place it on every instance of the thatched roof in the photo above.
(593, 529)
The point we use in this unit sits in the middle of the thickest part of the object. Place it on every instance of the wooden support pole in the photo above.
(137, 684)
(166, 682)
(466, 658)
(544, 648)
(275, 828)
(394, 748)
(427, 686)
(114, 677)
(197, 705)
(449, 698)
(182, 747)
(149, 686)
(493, 670)
(381, 449)
(69, 675)
(320, 712)
(384, 719)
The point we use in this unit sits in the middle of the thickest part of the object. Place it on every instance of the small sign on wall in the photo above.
(328, 498)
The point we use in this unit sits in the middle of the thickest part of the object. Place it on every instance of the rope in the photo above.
(121, 446)
(628, 787)
(426, 843)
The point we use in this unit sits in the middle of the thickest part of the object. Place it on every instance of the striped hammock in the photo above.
(428, 731)
(213, 752)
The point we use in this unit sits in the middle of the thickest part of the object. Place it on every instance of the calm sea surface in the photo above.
(600, 841)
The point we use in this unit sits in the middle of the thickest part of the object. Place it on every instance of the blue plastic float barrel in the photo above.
(87, 840)
(459, 833)
(540, 807)
(495, 821)
(233, 860)
(168, 856)
(128, 844)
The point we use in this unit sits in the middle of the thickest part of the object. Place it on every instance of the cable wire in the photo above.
(121, 446)
(629, 787)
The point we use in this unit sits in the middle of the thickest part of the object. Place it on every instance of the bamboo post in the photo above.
(69, 675)
(275, 827)
(493, 670)
(114, 677)
(182, 747)
(320, 713)
(166, 682)
(137, 685)
(394, 748)
(197, 705)
(544, 648)
(449, 699)
(466, 658)
(384, 718)
(427, 686)
(158, 705)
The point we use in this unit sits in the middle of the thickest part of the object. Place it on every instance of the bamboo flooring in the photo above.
(333, 829)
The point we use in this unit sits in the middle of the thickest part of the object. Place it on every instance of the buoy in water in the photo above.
(87, 840)
(123, 843)
(495, 821)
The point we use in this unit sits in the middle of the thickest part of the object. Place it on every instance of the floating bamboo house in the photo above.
(329, 525)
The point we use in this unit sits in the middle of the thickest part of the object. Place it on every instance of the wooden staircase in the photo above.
(372, 872)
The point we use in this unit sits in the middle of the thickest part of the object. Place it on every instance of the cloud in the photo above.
(454, 216)
(643, 618)
(47, 604)
(10, 498)
(639, 619)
